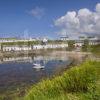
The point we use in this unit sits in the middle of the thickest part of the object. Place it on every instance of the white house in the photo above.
(64, 38)
(15, 48)
(79, 43)
(94, 41)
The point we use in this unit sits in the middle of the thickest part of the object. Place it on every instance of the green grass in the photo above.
(95, 49)
(77, 83)
(21, 43)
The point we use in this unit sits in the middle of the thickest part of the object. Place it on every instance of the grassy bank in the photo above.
(77, 83)
(95, 49)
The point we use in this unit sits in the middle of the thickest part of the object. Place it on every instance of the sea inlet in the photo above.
(17, 73)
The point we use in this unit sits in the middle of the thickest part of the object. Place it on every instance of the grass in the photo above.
(78, 83)
(95, 49)
(20, 43)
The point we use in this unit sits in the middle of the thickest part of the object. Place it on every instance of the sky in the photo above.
(49, 18)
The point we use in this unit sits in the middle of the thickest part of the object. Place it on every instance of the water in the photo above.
(18, 72)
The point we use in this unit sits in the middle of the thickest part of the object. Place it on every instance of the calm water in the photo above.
(19, 71)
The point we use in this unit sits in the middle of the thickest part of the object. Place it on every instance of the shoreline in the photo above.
(30, 55)
(44, 51)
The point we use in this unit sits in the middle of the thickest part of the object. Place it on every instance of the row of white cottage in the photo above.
(37, 47)
(34, 47)
(78, 43)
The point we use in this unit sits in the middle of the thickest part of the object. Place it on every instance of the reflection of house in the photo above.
(20, 58)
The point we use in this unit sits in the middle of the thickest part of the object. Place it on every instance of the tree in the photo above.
(85, 45)
(71, 45)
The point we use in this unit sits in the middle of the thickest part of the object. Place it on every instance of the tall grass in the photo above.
(77, 79)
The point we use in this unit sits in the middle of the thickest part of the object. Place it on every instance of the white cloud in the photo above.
(69, 22)
(37, 12)
(83, 21)
(98, 7)
(84, 12)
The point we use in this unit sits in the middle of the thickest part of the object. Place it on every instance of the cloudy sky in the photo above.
(49, 18)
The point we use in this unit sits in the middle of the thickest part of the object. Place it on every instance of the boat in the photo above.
(38, 66)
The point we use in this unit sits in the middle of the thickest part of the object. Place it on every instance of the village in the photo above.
(8, 44)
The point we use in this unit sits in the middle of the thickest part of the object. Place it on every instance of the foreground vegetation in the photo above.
(78, 83)
(20, 43)
(95, 49)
